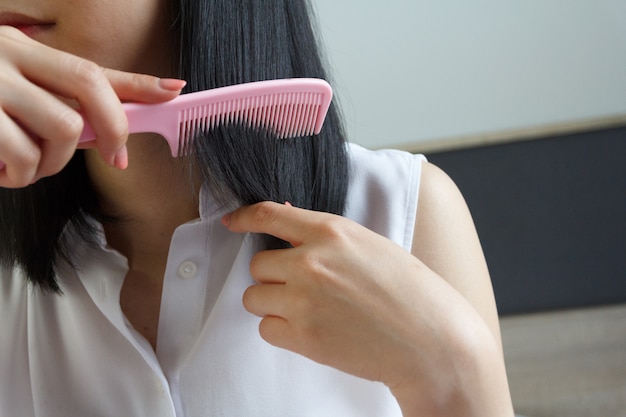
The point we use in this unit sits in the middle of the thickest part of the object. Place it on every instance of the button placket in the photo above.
(183, 296)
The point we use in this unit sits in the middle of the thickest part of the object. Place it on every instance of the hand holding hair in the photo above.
(40, 91)
(351, 299)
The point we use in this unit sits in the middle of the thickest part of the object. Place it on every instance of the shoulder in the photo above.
(442, 211)
(439, 195)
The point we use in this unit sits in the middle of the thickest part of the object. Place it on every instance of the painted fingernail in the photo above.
(172, 84)
(120, 160)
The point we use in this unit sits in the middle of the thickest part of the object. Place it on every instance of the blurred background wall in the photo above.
(423, 74)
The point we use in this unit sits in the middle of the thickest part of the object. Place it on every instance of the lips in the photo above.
(27, 24)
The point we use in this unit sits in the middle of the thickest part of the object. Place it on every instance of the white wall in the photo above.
(410, 72)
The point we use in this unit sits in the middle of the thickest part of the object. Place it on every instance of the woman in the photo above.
(392, 301)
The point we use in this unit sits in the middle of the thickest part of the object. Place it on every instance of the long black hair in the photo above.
(221, 42)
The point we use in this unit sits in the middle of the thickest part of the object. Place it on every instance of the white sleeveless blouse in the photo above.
(77, 355)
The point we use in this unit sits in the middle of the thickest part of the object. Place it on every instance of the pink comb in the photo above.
(289, 108)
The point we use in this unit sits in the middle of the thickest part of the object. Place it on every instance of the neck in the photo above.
(150, 198)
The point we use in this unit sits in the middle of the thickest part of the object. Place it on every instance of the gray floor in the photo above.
(569, 363)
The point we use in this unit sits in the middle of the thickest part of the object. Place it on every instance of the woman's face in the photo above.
(128, 35)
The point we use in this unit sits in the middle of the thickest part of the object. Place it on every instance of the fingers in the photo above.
(279, 313)
(83, 81)
(139, 88)
(20, 152)
(276, 331)
(266, 300)
(45, 96)
(51, 119)
(282, 221)
(143, 88)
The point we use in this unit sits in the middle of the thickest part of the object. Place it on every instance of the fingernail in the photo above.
(120, 160)
(288, 204)
(226, 219)
(172, 84)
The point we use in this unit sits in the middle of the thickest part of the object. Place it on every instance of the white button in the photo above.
(187, 269)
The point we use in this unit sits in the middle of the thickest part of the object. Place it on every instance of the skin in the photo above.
(342, 296)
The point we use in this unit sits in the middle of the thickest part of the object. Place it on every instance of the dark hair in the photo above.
(221, 42)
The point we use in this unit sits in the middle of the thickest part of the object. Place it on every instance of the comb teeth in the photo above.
(286, 114)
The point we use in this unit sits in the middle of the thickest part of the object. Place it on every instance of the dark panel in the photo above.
(551, 214)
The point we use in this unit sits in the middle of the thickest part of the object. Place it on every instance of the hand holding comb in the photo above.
(288, 107)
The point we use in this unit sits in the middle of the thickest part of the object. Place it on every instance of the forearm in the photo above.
(468, 379)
